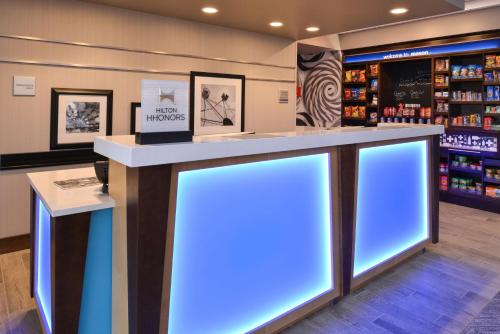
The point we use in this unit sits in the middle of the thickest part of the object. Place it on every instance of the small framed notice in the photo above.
(164, 112)
(23, 86)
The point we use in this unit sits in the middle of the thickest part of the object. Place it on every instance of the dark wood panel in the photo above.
(68, 250)
(148, 191)
(347, 174)
(14, 244)
(32, 239)
(434, 186)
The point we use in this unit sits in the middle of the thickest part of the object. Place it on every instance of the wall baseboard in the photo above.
(14, 244)
(49, 158)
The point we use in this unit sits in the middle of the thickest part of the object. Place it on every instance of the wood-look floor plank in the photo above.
(3, 305)
(16, 282)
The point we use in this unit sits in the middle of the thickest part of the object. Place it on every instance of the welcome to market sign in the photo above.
(425, 51)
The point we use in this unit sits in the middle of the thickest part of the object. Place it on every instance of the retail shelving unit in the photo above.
(472, 124)
(369, 102)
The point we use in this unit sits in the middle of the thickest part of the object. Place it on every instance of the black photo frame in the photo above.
(133, 113)
(56, 142)
(195, 90)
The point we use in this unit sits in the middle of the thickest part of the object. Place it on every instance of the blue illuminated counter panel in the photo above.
(71, 253)
(249, 233)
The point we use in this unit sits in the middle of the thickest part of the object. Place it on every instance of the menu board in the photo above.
(408, 82)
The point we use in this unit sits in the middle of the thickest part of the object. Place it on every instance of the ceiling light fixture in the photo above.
(276, 24)
(209, 10)
(399, 10)
(312, 29)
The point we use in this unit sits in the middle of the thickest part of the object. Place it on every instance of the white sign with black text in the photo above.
(23, 86)
(165, 106)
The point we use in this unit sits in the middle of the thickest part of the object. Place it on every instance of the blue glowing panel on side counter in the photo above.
(392, 212)
(42, 287)
(252, 242)
(95, 310)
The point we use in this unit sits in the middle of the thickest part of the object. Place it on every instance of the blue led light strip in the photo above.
(252, 242)
(424, 51)
(42, 284)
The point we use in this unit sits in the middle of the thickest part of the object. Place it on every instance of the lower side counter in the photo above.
(71, 270)
(255, 243)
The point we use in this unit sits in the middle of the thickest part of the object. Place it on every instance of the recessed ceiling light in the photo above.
(209, 10)
(312, 29)
(399, 10)
(276, 24)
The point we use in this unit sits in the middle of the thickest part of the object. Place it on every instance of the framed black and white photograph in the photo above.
(78, 115)
(135, 117)
(217, 103)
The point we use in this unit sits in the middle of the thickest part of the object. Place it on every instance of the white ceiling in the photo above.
(476, 4)
(332, 16)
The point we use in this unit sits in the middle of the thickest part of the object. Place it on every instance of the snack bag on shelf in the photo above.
(347, 111)
(464, 72)
(439, 80)
(362, 93)
(489, 61)
(490, 93)
(348, 76)
(347, 93)
(471, 71)
(487, 122)
(455, 71)
(362, 76)
(479, 71)
(439, 64)
(362, 111)
(355, 75)
(497, 61)
(355, 111)
(374, 69)
(355, 93)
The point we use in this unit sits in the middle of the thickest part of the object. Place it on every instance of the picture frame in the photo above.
(78, 115)
(135, 116)
(217, 103)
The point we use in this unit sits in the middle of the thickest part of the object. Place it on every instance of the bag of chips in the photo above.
(362, 76)
(348, 76)
(455, 71)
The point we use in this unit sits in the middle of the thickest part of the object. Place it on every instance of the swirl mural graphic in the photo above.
(319, 78)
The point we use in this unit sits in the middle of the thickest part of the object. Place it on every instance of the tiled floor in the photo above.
(439, 291)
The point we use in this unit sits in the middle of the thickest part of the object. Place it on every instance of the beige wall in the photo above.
(24, 121)
(454, 24)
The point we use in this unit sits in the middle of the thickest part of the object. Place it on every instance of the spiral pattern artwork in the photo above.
(321, 89)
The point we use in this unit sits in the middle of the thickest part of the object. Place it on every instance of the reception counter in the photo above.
(71, 253)
(249, 233)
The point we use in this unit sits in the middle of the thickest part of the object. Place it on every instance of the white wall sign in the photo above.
(282, 95)
(23, 86)
(165, 106)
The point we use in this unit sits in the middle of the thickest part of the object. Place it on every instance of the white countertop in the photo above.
(124, 150)
(61, 202)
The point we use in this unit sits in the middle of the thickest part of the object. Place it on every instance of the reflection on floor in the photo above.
(439, 291)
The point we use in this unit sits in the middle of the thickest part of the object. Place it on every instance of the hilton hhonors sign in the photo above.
(165, 112)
